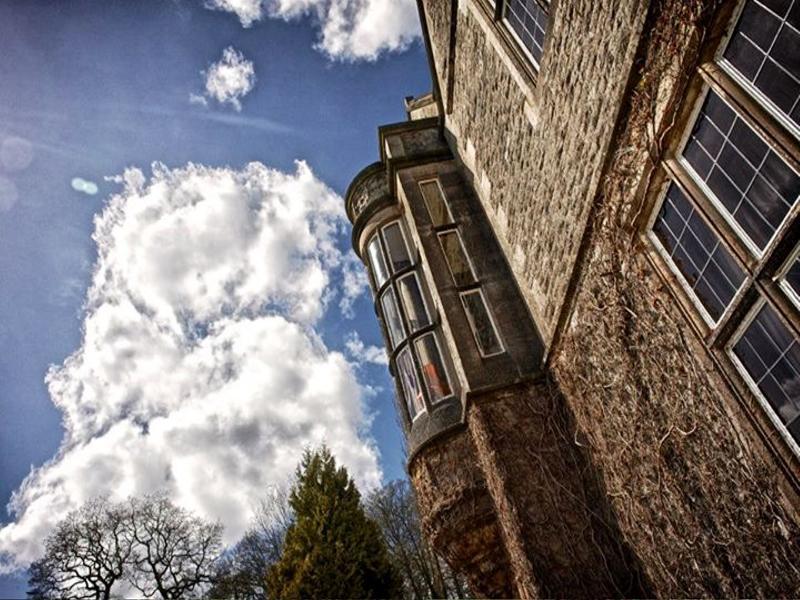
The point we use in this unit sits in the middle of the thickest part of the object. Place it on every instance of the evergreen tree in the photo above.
(332, 549)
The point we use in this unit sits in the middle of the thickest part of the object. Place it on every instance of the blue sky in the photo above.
(90, 88)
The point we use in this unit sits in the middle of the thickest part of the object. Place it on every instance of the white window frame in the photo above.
(711, 196)
(780, 278)
(746, 85)
(734, 339)
(684, 283)
(520, 44)
(479, 291)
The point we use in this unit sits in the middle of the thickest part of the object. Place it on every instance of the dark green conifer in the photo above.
(332, 549)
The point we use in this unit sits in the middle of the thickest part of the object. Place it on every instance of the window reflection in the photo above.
(433, 371)
(413, 302)
(456, 258)
(396, 247)
(436, 203)
(378, 265)
(770, 354)
(409, 383)
(481, 323)
(392, 316)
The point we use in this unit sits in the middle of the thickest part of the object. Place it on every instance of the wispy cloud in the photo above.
(361, 353)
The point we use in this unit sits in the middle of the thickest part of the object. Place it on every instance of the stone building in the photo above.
(583, 246)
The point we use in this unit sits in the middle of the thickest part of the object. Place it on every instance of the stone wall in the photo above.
(559, 532)
(698, 495)
(519, 141)
(458, 515)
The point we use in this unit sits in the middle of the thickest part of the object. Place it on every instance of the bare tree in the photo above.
(174, 551)
(241, 573)
(424, 574)
(105, 547)
(86, 555)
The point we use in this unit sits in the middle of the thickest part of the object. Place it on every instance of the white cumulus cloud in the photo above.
(228, 80)
(348, 29)
(201, 370)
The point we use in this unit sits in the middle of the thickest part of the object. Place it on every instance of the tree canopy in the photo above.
(332, 549)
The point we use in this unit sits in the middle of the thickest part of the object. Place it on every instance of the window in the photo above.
(413, 303)
(392, 317)
(456, 257)
(763, 52)
(410, 384)
(770, 355)
(725, 223)
(435, 202)
(432, 366)
(697, 253)
(528, 20)
(376, 262)
(481, 322)
(415, 354)
(396, 248)
(472, 300)
(748, 180)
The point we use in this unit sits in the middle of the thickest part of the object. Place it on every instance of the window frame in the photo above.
(388, 255)
(492, 321)
(445, 201)
(685, 286)
(709, 195)
(451, 231)
(752, 313)
(407, 341)
(402, 307)
(749, 87)
(412, 345)
(780, 277)
(526, 65)
(501, 16)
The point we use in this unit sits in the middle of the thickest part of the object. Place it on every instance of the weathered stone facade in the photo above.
(612, 448)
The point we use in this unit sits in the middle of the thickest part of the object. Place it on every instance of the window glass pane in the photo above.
(396, 247)
(410, 384)
(413, 303)
(376, 261)
(392, 317)
(433, 372)
(453, 250)
(755, 186)
(436, 203)
(765, 50)
(698, 253)
(481, 323)
(529, 20)
(770, 353)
